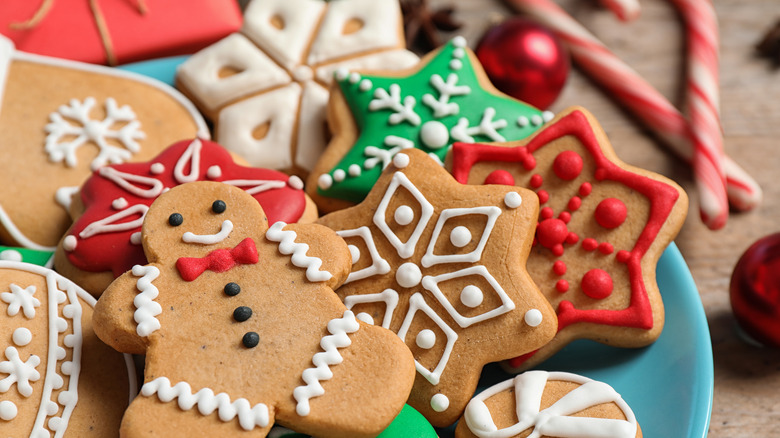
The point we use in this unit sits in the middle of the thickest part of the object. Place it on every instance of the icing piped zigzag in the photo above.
(339, 330)
(208, 402)
(146, 309)
(287, 246)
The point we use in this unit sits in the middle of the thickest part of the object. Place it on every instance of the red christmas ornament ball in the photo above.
(525, 60)
(755, 291)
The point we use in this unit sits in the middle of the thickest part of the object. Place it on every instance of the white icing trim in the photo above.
(402, 111)
(17, 235)
(147, 309)
(109, 224)
(209, 239)
(431, 259)
(207, 402)
(64, 195)
(379, 266)
(417, 302)
(191, 154)
(339, 329)
(388, 296)
(404, 249)
(260, 185)
(287, 246)
(124, 180)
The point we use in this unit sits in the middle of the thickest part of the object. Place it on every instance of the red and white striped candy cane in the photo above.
(636, 94)
(626, 10)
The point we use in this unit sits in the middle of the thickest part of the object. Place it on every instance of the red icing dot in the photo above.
(567, 165)
(597, 284)
(611, 213)
(623, 256)
(562, 286)
(543, 196)
(559, 267)
(565, 216)
(589, 244)
(500, 176)
(536, 181)
(546, 213)
(551, 233)
(585, 189)
(574, 203)
(606, 248)
(572, 238)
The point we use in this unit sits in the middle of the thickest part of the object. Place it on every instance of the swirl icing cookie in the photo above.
(241, 328)
(105, 238)
(601, 229)
(442, 265)
(539, 404)
(56, 377)
(59, 121)
(266, 87)
(446, 98)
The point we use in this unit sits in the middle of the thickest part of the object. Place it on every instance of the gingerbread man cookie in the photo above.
(241, 328)
(105, 239)
(442, 265)
(602, 227)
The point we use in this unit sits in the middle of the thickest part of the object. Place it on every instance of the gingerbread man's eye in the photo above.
(218, 206)
(175, 219)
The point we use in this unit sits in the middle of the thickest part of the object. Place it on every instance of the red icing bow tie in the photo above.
(219, 260)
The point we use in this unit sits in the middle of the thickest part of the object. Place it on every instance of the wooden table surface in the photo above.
(747, 378)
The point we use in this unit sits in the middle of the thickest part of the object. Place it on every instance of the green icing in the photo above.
(387, 129)
(35, 257)
(408, 424)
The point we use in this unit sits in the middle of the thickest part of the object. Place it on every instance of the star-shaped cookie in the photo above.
(442, 265)
(446, 98)
(602, 227)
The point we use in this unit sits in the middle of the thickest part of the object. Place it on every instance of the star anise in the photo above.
(769, 46)
(422, 24)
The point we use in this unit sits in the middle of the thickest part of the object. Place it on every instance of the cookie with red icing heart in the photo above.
(104, 240)
(602, 227)
(241, 328)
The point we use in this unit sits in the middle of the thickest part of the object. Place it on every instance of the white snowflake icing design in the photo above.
(21, 373)
(74, 121)
(392, 101)
(487, 127)
(22, 299)
(442, 106)
(376, 154)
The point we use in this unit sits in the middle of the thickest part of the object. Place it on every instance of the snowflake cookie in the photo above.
(602, 227)
(241, 328)
(56, 377)
(104, 240)
(446, 98)
(266, 88)
(59, 121)
(442, 265)
(539, 404)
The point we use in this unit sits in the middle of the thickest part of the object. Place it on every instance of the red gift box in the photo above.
(117, 31)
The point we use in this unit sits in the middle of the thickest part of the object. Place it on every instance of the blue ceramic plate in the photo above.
(668, 384)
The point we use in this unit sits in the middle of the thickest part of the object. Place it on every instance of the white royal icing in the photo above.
(8, 409)
(491, 213)
(19, 372)
(116, 222)
(141, 186)
(21, 299)
(378, 265)
(339, 330)
(207, 402)
(388, 296)
(556, 420)
(404, 249)
(147, 309)
(288, 246)
(209, 239)
(191, 155)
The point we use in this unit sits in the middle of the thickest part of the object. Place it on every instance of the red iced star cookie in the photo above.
(602, 227)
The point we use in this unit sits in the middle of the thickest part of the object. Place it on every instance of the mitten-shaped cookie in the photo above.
(241, 328)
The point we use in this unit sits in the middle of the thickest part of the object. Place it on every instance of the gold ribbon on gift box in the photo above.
(97, 14)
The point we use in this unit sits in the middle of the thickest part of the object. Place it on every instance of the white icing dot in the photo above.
(459, 53)
(426, 339)
(66, 397)
(61, 325)
(341, 73)
(69, 243)
(55, 423)
(135, 238)
(354, 252)
(22, 336)
(295, 183)
(471, 296)
(214, 172)
(119, 203)
(460, 236)
(513, 199)
(523, 121)
(302, 73)
(339, 175)
(67, 368)
(11, 255)
(365, 85)
(165, 190)
(547, 116)
(324, 181)
(533, 317)
(404, 215)
(365, 317)
(456, 64)
(51, 407)
(70, 310)
(354, 170)
(408, 275)
(434, 134)
(354, 78)
(400, 160)
(8, 410)
(69, 341)
(59, 353)
(440, 402)
(459, 41)
(60, 297)
(536, 120)
(157, 168)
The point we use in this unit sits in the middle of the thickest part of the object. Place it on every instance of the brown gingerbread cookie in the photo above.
(602, 226)
(443, 265)
(241, 328)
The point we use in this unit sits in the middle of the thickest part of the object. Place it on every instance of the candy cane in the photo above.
(626, 10)
(637, 95)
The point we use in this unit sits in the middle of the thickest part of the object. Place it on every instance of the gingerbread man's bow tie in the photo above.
(219, 260)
